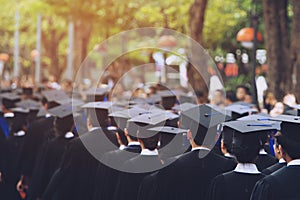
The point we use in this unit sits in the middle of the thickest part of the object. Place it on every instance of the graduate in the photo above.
(238, 184)
(146, 162)
(189, 176)
(75, 177)
(281, 162)
(107, 174)
(51, 154)
(38, 132)
(284, 183)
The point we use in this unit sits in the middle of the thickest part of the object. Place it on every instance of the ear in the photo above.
(281, 150)
(189, 135)
(178, 123)
(126, 132)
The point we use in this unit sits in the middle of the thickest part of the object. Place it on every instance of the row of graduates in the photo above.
(54, 163)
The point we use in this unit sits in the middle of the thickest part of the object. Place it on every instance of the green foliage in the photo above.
(231, 83)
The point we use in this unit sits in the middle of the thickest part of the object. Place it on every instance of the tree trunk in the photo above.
(276, 34)
(81, 39)
(295, 46)
(196, 24)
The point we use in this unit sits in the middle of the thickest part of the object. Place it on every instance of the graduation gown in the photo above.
(233, 185)
(274, 168)
(128, 183)
(75, 177)
(107, 177)
(47, 163)
(283, 184)
(37, 134)
(264, 161)
(187, 177)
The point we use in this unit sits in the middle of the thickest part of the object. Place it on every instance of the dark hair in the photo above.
(247, 90)
(204, 133)
(150, 142)
(231, 96)
(63, 125)
(245, 147)
(291, 147)
(227, 140)
(97, 118)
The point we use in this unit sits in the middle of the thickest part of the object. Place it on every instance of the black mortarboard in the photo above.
(54, 95)
(183, 98)
(10, 99)
(120, 118)
(146, 121)
(290, 126)
(61, 111)
(296, 110)
(261, 117)
(184, 107)
(168, 98)
(96, 94)
(154, 99)
(98, 111)
(240, 110)
(202, 121)
(168, 130)
(241, 136)
(29, 104)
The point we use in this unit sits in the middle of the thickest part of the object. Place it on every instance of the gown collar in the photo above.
(248, 168)
(294, 162)
(200, 148)
(147, 152)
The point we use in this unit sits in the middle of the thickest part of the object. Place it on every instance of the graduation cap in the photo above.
(146, 121)
(9, 99)
(29, 104)
(240, 110)
(154, 99)
(202, 121)
(168, 99)
(290, 126)
(96, 94)
(167, 134)
(120, 118)
(98, 112)
(261, 117)
(63, 117)
(61, 111)
(19, 119)
(295, 111)
(246, 137)
(183, 98)
(184, 107)
(54, 95)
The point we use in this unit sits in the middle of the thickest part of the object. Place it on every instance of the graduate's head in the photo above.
(226, 142)
(97, 114)
(202, 121)
(148, 139)
(246, 138)
(241, 92)
(289, 138)
(9, 100)
(63, 121)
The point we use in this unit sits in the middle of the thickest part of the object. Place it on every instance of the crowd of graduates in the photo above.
(155, 144)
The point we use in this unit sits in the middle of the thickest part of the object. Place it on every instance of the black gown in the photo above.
(107, 176)
(37, 134)
(47, 163)
(273, 168)
(233, 185)
(283, 184)
(76, 175)
(129, 183)
(264, 161)
(188, 177)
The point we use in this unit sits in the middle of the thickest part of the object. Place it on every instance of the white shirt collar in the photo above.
(228, 155)
(48, 115)
(19, 133)
(281, 160)
(9, 115)
(147, 152)
(262, 152)
(248, 168)
(200, 148)
(93, 128)
(133, 143)
(294, 162)
(122, 147)
(69, 135)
